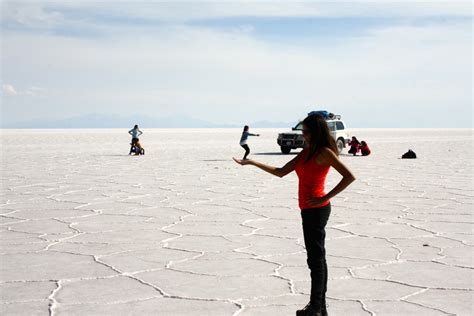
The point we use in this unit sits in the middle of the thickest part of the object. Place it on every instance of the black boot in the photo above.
(324, 311)
(309, 310)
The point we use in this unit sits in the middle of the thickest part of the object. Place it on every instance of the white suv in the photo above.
(293, 140)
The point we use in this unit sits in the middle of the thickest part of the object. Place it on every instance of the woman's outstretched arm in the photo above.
(279, 172)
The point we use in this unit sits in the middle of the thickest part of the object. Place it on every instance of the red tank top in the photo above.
(311, 180)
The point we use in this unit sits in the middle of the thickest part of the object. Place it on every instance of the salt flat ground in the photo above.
(88, 230)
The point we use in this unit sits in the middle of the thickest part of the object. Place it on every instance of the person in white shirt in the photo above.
(243, 140)
(135, 132)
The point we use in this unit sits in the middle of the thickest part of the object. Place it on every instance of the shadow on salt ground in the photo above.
(123, 155)
(350, 155)
(217, 160)
(274, 154)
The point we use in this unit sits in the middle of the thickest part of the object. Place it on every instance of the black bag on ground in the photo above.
(410, 154)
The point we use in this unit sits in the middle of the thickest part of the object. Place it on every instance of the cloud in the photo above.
(204, 72)
(9, 90)
(232, 75)
(43, 15)
(31, 14)
(34, 91)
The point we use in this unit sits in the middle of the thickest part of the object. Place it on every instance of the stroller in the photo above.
(136, 148)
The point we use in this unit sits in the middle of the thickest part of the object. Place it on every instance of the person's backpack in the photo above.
(410, 154)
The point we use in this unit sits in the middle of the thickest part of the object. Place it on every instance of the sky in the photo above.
(378, 64)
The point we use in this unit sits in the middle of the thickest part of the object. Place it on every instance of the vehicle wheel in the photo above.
(340, 145)
(285, 150)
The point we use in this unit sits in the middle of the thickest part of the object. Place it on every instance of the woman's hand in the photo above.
(316, 201)
(330, 158)
(243, 162)
(279, 172)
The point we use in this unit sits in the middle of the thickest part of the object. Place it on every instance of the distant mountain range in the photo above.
(110, 121)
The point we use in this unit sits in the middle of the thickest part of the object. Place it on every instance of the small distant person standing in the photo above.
(243, 140)
(364, 148)
(355, 146)
(135, 132)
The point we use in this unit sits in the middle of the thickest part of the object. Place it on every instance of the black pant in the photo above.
(135, 142)
(353, 150)
(314, 223)
(247, 150)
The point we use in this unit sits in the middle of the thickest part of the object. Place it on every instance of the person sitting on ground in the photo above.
(243, 140)
(355, 146)
(364, 148)
(135, 132)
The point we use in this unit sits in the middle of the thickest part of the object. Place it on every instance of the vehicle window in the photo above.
(332, 126)
(339, 125)
(298, 127)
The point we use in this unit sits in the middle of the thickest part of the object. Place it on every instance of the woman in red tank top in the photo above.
(312, 165)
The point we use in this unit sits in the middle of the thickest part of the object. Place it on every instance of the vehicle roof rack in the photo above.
(326, 115)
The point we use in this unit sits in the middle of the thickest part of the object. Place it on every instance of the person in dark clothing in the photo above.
(355, 144)
(311, 166)
(364, 148)
(243, 140)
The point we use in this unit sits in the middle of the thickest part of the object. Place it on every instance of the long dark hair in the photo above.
(354, 139)
(320, 135)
